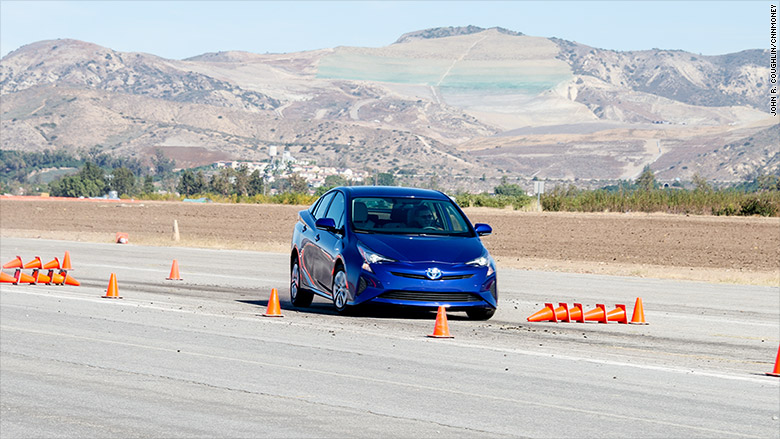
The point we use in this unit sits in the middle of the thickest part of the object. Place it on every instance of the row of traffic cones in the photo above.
(37, 277)
(599, 314)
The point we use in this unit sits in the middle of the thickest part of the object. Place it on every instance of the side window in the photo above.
(319, 212)
(314, 206)
(336, 210)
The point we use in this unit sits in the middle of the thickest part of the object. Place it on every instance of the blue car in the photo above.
(391, 245)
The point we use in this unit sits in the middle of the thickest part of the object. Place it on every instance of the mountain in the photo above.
(448, 104)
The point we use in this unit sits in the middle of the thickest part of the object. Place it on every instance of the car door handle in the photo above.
(317, 238)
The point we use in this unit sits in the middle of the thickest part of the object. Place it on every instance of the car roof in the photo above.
(392, 191)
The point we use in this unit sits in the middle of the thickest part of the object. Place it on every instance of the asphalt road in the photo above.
(196, 358)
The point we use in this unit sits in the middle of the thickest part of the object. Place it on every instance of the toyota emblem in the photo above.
(433, 273)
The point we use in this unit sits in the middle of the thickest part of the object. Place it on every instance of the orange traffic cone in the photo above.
(22, 278)
(639, 313)
(552, 314)
(113, 291)
(56, 278)
(16, 263)
(273, 310)
(35, 263)
(70, 281)
(576, 313)
(66, 262)
(544, 314)
(7, 278)
(53, 264)
(563, 313)
(776, 372)
(174, 271)
(598, 314)
(618, 314)
(41, 278)
(441, 329)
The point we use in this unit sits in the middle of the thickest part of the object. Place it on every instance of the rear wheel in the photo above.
(340, 291)
(480, 313)
(298, 296)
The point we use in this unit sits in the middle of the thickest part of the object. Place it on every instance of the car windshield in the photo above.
(415, 216)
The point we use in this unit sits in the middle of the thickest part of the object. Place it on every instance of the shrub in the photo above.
(496, 201)
(758, 206)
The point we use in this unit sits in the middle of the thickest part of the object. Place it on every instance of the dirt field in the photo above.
(714, 249)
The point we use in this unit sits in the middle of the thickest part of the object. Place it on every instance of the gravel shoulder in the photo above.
(744, 250)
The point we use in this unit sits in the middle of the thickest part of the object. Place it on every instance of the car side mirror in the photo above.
(483, 229)
(326, 224)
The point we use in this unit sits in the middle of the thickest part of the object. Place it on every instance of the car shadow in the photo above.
(371, 310)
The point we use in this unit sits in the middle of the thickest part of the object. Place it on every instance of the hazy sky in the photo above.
(181, 29)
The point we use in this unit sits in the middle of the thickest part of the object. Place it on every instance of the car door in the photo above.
(330, 242)
(310, 252)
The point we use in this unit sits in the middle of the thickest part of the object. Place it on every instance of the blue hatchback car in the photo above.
(391, 245)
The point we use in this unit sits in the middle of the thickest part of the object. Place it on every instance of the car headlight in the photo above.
(483, 261)
(371, 257)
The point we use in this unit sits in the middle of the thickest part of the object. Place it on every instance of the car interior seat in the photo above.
(360, 215)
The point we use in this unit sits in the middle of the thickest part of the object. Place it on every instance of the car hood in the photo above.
(405, 248)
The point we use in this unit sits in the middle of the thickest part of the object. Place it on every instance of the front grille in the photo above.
(424, 277)
(427, 296)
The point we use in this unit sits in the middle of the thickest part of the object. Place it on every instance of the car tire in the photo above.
(480, 313)
(340, 291)
(300, 297)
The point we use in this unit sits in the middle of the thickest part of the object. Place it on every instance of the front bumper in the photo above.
(460, 286)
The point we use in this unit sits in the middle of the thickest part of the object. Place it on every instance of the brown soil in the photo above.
(715, 249)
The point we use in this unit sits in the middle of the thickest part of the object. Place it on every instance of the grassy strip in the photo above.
(283, 198)
(498, 201)
(678, 201)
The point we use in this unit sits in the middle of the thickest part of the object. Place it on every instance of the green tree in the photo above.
(92, 172)
(69, 186)
(163, 166)
(148, 184)
(122, 181)
(201, 185)
(297, 184)
(89, 182)
(255, 183)
(332, 181)
(506, 188)
(187, 183)
(646, 180)
(385, 179)
(221, 182)
(241, 180)
(700, 184)
(320, 191)
(768, 182)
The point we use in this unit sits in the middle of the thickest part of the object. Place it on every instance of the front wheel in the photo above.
(298, 296)
(340, 292)
(480, 313)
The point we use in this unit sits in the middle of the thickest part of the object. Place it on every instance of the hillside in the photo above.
(451, 104)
